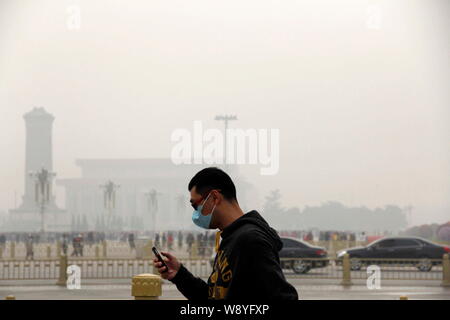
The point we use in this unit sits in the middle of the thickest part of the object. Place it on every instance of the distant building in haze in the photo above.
(136, 180)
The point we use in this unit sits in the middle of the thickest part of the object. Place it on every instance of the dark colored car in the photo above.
(296, 248)
(396, 248)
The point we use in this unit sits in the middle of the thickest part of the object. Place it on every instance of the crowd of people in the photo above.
(166, 240)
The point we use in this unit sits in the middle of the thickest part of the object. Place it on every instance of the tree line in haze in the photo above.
(332, 215)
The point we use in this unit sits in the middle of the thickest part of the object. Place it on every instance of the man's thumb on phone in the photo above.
(166, 254)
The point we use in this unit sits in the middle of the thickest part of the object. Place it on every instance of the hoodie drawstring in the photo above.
(218, 240)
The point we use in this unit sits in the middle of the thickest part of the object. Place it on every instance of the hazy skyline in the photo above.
(363, 112)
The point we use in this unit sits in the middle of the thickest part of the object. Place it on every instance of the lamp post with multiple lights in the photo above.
(225, 119)
(152, 206)
(42, 191)
(109, 199)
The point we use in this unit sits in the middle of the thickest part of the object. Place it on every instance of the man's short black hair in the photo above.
(213, 178)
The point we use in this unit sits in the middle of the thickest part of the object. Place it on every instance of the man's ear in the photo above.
(218, 197)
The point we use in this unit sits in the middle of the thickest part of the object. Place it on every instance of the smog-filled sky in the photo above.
(359, 90)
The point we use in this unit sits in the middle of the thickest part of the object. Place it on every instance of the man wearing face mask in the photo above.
(247, 265)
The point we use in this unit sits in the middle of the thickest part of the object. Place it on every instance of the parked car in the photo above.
(298, 250)
(396, 248)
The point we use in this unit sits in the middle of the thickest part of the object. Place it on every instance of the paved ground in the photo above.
(308, 289)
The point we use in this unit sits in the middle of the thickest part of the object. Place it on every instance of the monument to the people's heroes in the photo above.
(38, 156)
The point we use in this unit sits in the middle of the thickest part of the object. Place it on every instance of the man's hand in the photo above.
(172, 263)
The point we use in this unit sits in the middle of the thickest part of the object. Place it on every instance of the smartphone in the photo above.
(160, 258)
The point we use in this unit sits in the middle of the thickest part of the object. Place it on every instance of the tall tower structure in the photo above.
(38, 151)
(38, 157)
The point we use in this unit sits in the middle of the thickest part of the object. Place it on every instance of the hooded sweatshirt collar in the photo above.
(255, 218)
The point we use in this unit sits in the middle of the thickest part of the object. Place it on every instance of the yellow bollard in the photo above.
(58, 249)
(10, 297)
(194, 250)
(146, 286)
(445, 271)
(403, 298)
(13, 250)
(105, 249)
(63, 263)
(346, 275)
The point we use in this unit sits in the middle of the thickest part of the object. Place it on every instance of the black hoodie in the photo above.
(246, 267)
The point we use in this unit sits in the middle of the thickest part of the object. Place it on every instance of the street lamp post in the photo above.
(152, 206)
(225, 119)
(109, 198)
(408, 210)
(181, 204)
(42, 191)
